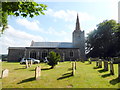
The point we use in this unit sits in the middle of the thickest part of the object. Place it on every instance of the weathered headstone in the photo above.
(96, 63)
(5, 73)
(111, 68)
(73, 69)
(119, 71)
(30, 63)
(106, 65)
(72, 65)
(26, 63)
(37, 72)
(89, 59)
(100, 63)
(75, 65)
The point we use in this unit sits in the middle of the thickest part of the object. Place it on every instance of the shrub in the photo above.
(53, 59)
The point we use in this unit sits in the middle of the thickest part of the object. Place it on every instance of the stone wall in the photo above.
(15, 54)
(64, 52)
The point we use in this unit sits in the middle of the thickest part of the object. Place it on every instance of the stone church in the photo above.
(74, 50)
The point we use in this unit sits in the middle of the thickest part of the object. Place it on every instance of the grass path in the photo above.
(59, 77)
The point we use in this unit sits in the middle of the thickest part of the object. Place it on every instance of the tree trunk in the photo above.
(52, 67)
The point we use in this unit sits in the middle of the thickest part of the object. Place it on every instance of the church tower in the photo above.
(78, 39)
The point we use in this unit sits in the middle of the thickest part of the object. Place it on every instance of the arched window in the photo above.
(44, 54)
(71, 54)
(33, 55)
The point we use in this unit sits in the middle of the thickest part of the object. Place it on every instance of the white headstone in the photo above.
(26, 63)
(37, 72)
(5, 73)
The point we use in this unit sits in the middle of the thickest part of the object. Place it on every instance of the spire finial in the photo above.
(77, 23)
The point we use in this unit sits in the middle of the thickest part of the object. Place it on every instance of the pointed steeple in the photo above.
(77, 23)
(32, 42)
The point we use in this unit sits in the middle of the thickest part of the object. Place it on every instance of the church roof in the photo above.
(52, 44)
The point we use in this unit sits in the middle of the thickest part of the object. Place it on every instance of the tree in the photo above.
(102, 41)
(117, 36)
(53, 59)
(19, 8)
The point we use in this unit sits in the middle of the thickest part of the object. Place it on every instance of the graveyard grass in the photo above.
(86, 76)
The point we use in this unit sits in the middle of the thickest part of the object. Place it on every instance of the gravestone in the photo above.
(97, 63)
(75, 65)
(111, 68)
(119, 71)
(100, 63)
(90, 62)
(30, 63)
(26, 63)
(37, 72)
(5, 73)
(73, 69)
(106, 65)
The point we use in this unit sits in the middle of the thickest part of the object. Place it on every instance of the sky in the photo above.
(58, 23)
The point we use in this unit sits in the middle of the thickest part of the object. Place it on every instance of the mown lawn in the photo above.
(59, 77)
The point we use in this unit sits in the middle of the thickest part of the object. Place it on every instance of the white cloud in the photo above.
(52, 31)
(13, 38)
(69, 15)
(18, 38)
(31, 25)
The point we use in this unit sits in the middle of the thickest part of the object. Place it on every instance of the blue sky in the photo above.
(58, 23)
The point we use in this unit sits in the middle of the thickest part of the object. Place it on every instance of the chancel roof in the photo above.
(52, 44)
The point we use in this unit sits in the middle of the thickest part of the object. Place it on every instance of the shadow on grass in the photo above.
(32, 70)
(95, 67)
(106, 75)
(66, 75)
(45, 68)
(27, 80)
(69, 69)
(88, 63)
(41, 69)
(114, 81)
(101, 71)
(20, 68)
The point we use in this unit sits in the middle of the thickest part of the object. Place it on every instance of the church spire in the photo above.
(77, 23)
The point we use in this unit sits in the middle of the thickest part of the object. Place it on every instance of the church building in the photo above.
(74, 50)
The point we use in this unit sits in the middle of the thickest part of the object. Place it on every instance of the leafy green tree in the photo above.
(117, 36)
(19, 8)
(102, 41)
(53, 59)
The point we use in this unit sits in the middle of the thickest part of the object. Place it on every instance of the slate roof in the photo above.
(53, 44)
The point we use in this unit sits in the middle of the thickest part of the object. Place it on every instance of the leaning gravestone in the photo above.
(73, 69)
(5, 73)
(119, 71)
(111, 68)
(106, 65)
(37, 72)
